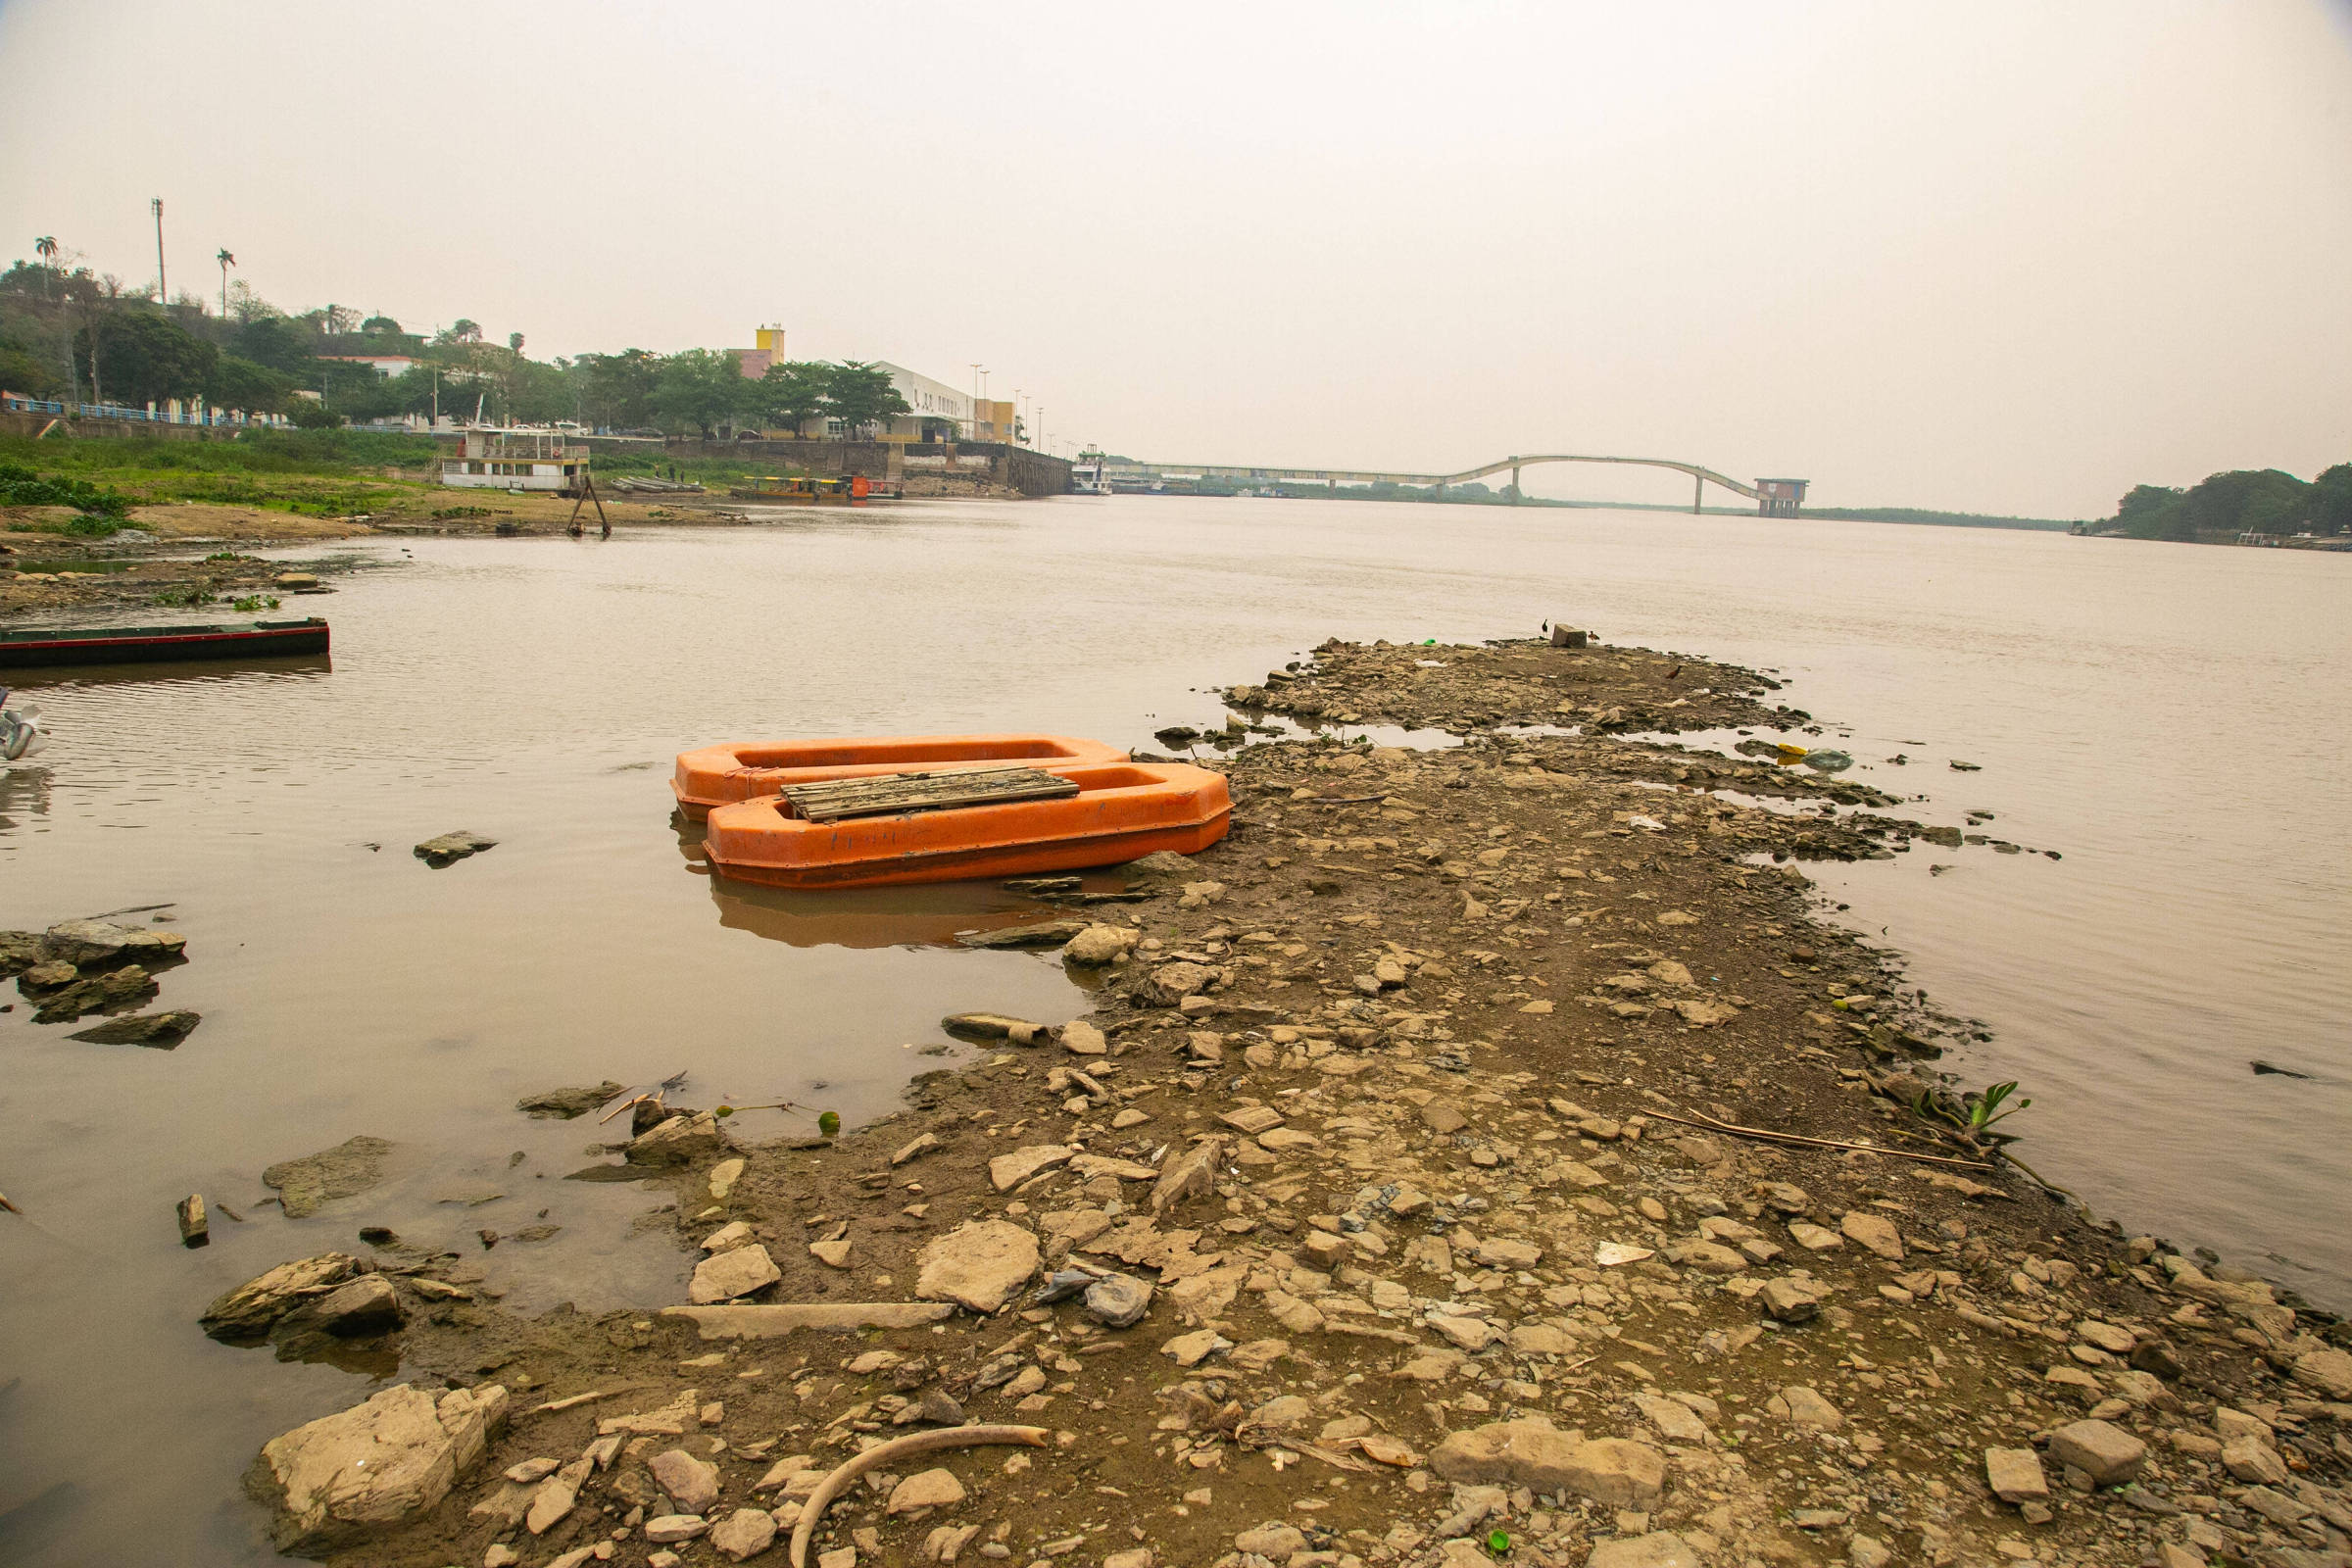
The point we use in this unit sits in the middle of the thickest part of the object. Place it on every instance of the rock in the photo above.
(569, 1102)
(1500, 1253)
(1815, 1238)
(737, 1271)
(1274, 1541)
(161, 1029)
(556, 1497)
(833, 1254)
(1098, 945)
(1874, 1231)
(678, 1141)
(249, 1310)
(1191, 1349)
(1008, 1171)
(21, 951)
(1676, 1421)
(1171, 983)
(928, 1488)
(1807, 1409)
(1868, 1551)
(1192, 1175)
(724, 1177)
(1118, 1302)
(735, 1232)
(444, 848)
(80, 942)
(915, 1149)
(1789, 1300)
(691, 1483)
(1038, 934)
(1615, 1255)
(1138, 1557)
(2329, 1371)
(367, 1305)
(1283, 1412)
(2254, 1461)
(2100, 1449)
(671, 1528)
(745, 1532)
(1659, 1548)
(1708, 1257)
(48, 976)
(981, 1265)
(990, 1026)
(375, 1466)
(2015, 1475)
(1470, 1334)
(1531, 1453)
(1082, 1039)
(349, 1168)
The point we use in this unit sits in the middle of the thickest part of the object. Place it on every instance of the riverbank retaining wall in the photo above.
(74, 429)
(930, 468)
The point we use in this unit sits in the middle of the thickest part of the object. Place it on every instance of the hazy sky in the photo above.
(1995, 257)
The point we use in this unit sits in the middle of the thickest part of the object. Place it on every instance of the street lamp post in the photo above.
(162, 289)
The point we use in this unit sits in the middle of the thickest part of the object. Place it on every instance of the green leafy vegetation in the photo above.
(1975, 1115)
(253, 603)
(20, 486)
(2224, 505)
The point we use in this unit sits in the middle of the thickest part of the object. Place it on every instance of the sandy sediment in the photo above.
(1385, 1210)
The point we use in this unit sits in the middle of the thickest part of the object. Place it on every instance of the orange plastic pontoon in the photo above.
(746, 770)
(1122, 812)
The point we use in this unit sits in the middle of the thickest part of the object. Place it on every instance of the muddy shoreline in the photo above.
(1408, 1104)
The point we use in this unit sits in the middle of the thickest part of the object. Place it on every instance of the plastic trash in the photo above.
(21, 734)
(1825, 760)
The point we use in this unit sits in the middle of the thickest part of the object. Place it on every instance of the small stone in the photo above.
(1191, 1349)
(980, 1265)
(445, 848)
(670, 1528)
(1118, 1302)
(1661, 1548)
(724, 1177)
(2254, 1461)
(1008, 1171)
(1814, 1238)
(1789, 1300)
(833, 1254)
(2015, 1475)
(692, 1483)
(2100, 1449)
(745, 1532)
(920, 1146)
(1082, 1039)
(1874, 1231)
(930, 1489)
(1807, 1409)
(1098, 945)
(733, 1273)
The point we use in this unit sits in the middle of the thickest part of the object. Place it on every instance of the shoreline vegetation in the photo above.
(1486, 1153)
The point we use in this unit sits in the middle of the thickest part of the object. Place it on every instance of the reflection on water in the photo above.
(289, 665)
(536, 690)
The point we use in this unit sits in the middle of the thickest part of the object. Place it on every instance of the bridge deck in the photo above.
(1211, 471)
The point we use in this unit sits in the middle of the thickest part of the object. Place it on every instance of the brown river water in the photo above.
(2170, 719)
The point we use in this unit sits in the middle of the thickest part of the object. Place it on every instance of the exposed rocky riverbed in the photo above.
(1406, 1198)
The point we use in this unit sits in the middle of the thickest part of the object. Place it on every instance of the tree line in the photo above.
(2224, 505)
(67, 332)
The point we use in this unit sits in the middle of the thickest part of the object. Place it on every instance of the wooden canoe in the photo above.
(1119, 811)
(125, 645)
(748, 769)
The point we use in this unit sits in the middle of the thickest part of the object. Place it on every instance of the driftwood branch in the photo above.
(1710, 1124)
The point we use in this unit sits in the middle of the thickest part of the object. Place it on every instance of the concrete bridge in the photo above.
(1774, 498)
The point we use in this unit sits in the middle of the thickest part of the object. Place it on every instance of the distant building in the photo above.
(754, 362)
(492, 458)
(1781, 496)
(389, 364)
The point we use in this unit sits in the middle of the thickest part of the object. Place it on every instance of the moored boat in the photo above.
(801, 490)
(123, 645)
(743, 771)
(1075, 817)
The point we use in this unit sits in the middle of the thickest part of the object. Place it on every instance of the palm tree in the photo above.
(227, 262)
(45, 248)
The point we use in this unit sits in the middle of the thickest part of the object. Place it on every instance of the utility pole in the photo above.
(162, 289)
(971, 424)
